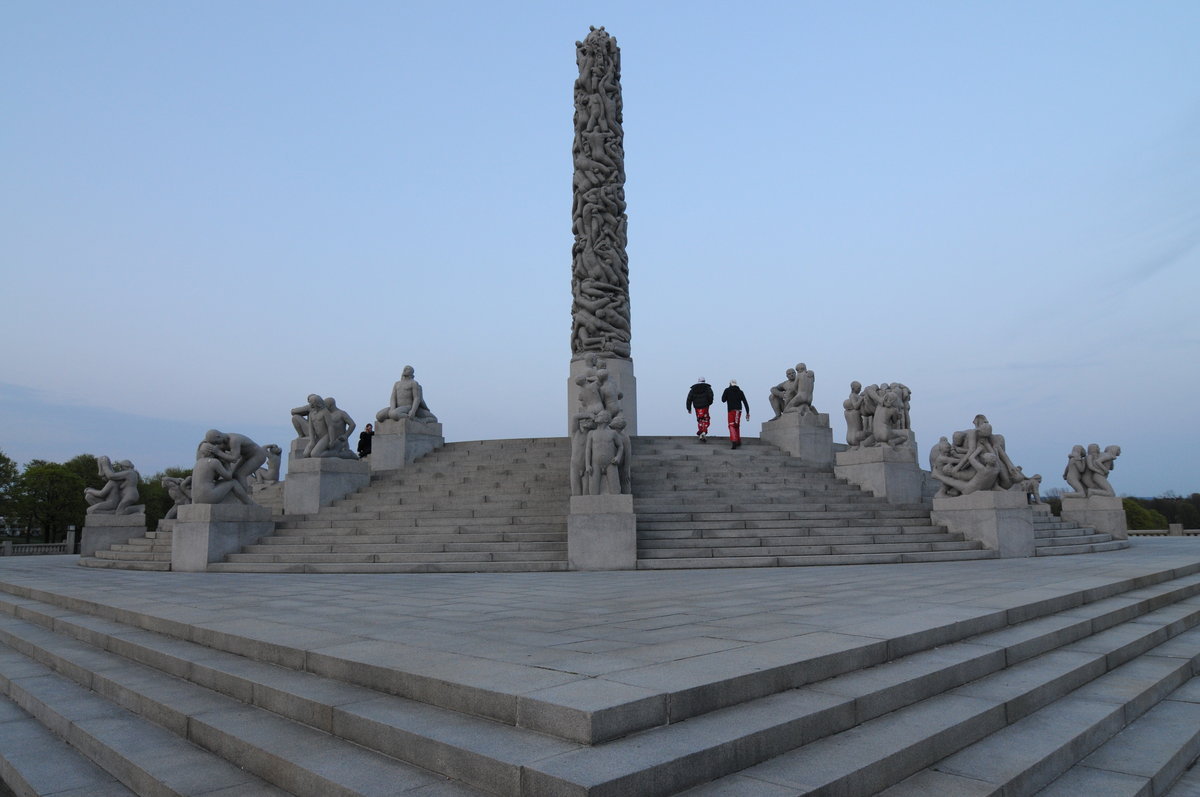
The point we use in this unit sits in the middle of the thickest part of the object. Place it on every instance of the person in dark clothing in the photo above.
(364, 441)
(734, 400)
(700, 397)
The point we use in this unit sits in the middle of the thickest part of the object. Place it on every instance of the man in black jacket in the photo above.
(700, 397)
(734, 400)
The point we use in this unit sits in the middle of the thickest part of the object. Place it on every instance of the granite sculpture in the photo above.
(213, 480)
(782, 393)
(600, 265)
(119, 495)
(180, 491)
(1087, 470)
(242, 455)
(802, 393)
(269, 473)
(605, 452)
(407, 401)
(599, 411)
(975, 460)
(339, 427)
(878, 415)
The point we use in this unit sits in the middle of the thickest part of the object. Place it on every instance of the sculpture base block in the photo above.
(166, 524)
(1001, 519)
(889, 473)
(620, 375)
(806, 437)
(207, 532)
(101, 532)
(1104, 513)
(602, 533)
(268, 494)
(399, 443)
(314, 482)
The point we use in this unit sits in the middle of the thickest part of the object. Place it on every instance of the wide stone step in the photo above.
(135, 556)
(814, 549)
(1064, 550)
(350, 537)
(402, 548)
(387, 567)
(1014, 730)
(35, 761)
(124, 564)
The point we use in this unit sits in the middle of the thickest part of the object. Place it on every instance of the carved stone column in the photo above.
(599, 265)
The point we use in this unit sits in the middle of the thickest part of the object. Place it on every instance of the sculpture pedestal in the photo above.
(398, 443)
(806, 437)
(620, 376)
(268, 494)
(314, 482)
(889, 473)
(207, 532)
(602, 533)
(101, 532)
(1104, 513)
(1000, 519)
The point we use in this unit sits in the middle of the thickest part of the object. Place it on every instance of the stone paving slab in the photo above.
(595, 645)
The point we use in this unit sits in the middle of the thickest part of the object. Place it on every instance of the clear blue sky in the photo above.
(210, 210)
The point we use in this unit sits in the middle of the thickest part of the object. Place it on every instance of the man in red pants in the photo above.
(734, 400)
(700, 397)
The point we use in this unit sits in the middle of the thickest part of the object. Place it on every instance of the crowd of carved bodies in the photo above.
(600, 448)
(600, 265)
(878, 415)
(975, 460)
(1087, 470)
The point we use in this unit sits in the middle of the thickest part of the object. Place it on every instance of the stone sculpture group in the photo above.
(600, 265)
(600, 448)
(878, 416)
(224, 464)
(119, 495)
(975, 460)
(324, 428)
(1087, 471)
(794, 393)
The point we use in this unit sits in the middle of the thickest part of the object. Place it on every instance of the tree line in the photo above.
(38, 503)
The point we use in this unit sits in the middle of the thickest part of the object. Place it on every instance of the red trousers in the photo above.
(735, 425)
(702, 420)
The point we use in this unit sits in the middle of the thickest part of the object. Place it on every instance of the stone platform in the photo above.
(1069, 674)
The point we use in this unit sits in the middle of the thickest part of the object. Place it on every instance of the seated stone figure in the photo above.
(985, 474)
(180, 490)
(269, 473)
(801, 400)
(243, 455)
(887, 424)
(407, 401)
(213, 481)
(782, 393)
(311, 422)
(339, 427)
(119, 494)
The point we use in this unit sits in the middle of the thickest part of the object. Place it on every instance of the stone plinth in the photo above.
(1000, 519)
(269, 495)
(1104, 513)
(398, 443)
(806, 437)
(620, 376)
(314, 482)
(207, 532)
(166, 524)
(602, 533)
(889, 473)
(101, 532)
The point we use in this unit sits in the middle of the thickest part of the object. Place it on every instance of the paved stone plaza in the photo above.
(556, 683)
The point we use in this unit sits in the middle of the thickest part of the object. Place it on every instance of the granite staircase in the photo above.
(149, 552)
(707, 505)
(1086, 690)
(483, 506)
(1056, 537)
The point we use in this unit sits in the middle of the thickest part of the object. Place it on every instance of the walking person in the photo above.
(700, 397)
(734, 400)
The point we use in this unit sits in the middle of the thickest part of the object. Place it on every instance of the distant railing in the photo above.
(1174, 530)
(7, 548)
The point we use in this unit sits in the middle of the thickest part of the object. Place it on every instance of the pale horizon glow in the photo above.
(211, 211)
